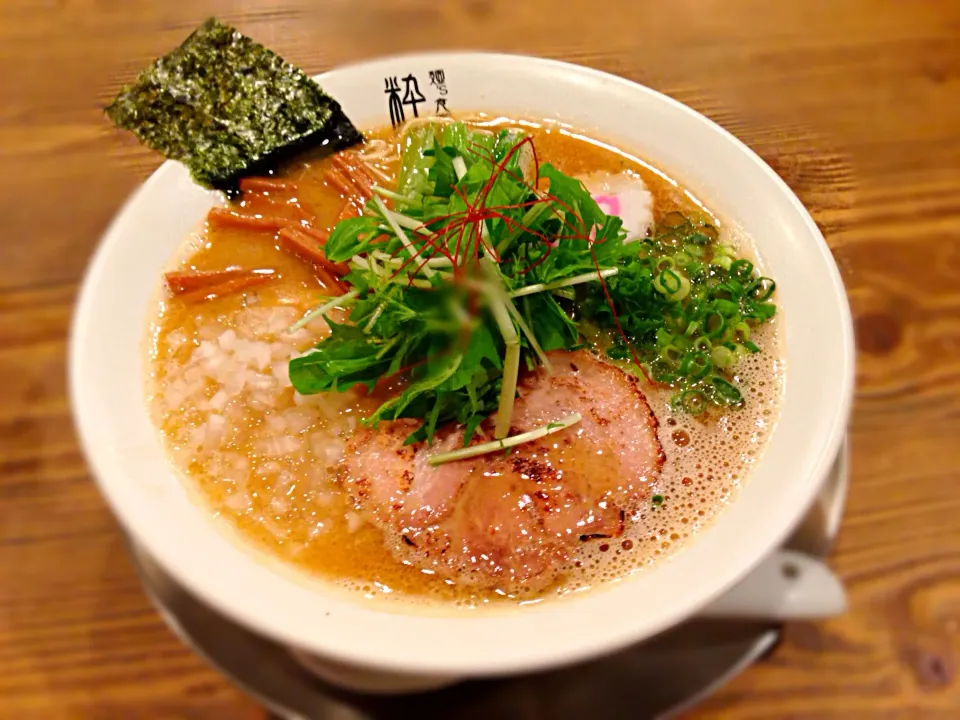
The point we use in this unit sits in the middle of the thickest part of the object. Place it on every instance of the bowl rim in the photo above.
(279, 628)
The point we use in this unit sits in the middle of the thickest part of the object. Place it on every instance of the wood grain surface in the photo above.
(856, 103)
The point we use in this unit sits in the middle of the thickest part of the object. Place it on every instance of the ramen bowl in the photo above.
(378, 646)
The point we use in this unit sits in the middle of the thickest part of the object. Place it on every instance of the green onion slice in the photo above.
(695, 365)
(702, 344)
(722, 357)
(667, 282)
(761, 289)
(742, 268)
(693, 401)
(714, 324)
(726, 391)
(672, 355)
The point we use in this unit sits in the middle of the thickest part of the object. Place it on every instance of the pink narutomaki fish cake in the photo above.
(624, 195)
(511, 521)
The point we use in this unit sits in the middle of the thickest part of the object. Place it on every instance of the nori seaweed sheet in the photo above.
(227, 107)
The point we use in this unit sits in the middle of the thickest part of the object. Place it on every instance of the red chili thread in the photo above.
(479, 212)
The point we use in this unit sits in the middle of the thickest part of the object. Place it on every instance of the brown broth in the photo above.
(295, 510)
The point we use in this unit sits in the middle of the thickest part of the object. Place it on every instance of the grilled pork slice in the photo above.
(513, 521)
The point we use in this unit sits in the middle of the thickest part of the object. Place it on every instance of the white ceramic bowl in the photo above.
(106, 380)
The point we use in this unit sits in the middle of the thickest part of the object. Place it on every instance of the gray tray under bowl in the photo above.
(653, 680)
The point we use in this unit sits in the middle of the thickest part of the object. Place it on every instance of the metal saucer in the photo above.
(657, 679)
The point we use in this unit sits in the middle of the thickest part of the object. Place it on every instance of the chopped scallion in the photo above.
(722, 357)
(693, 401)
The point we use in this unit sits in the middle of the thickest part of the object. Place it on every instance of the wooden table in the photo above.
(855, 103)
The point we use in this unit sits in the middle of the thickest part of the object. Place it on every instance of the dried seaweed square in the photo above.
(227, 107)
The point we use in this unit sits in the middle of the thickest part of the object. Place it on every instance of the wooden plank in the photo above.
(854, 104)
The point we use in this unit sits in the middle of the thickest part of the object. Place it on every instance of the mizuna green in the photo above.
(485, 261)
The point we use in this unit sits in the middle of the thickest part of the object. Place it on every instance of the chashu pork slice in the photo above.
(512, 521)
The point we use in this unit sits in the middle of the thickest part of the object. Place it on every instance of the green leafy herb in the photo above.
(477, 271)
(227, 107)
